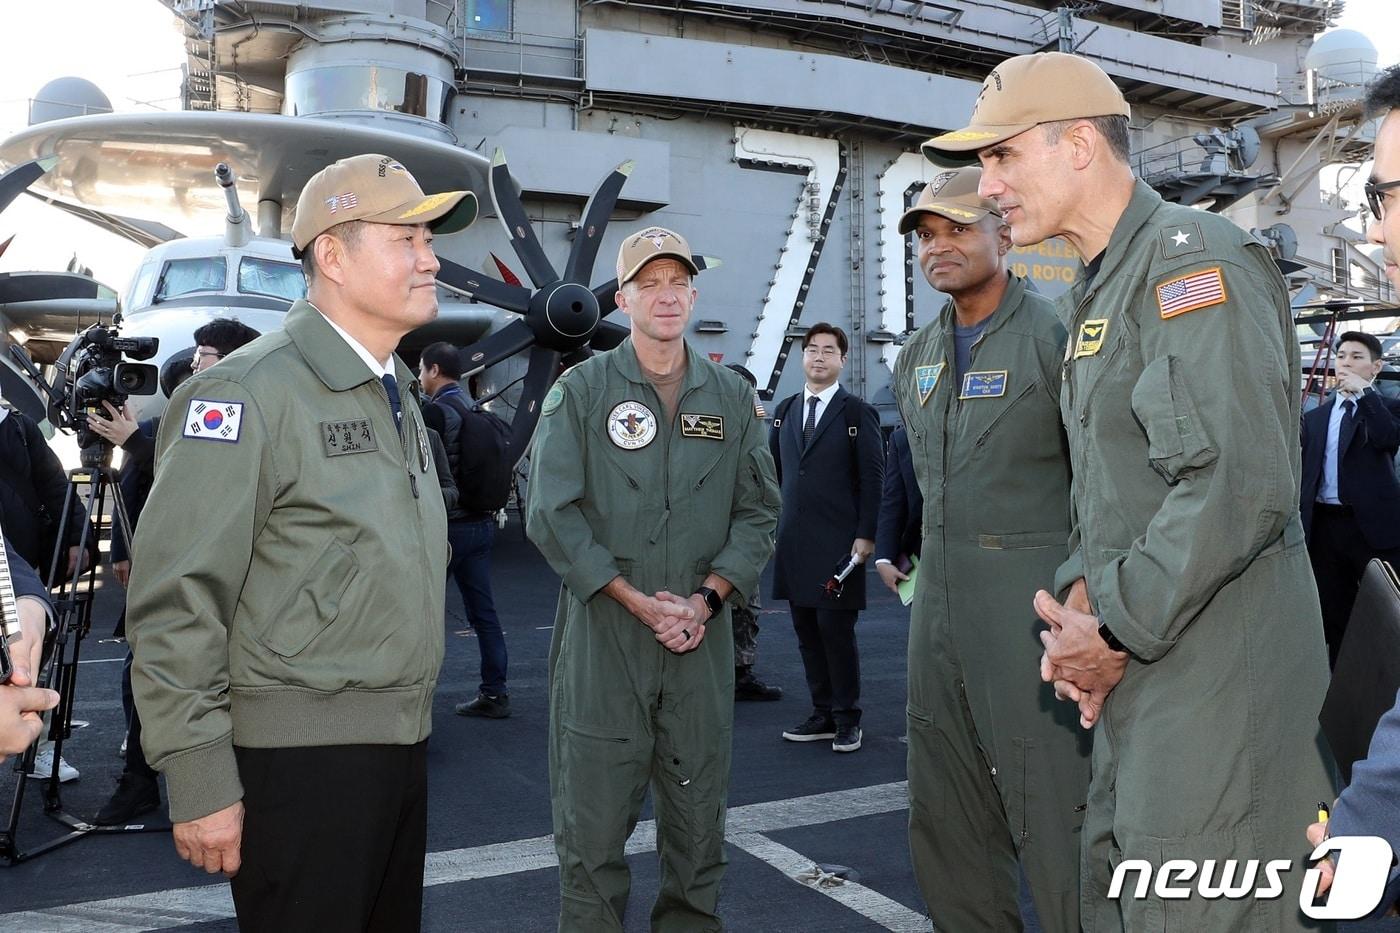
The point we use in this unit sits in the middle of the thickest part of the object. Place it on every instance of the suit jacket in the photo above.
(1366, 472)
(1367, 806)
(830, 498)
(901, 503)
(23, 577)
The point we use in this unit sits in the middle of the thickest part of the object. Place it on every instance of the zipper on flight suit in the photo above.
(403, 441)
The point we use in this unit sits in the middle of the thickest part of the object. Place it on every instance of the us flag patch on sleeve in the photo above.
(213, 420)
(1191, 292)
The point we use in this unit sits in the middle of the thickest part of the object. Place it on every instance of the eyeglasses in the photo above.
(201, 355)
(826, 353)
(1373, 196)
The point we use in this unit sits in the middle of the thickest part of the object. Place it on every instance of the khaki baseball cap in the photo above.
(951, 194)
(1023, 92)
(376, 188)
(652, 243)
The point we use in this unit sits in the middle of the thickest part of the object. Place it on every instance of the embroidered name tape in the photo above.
(347, 437)
(710, 427)
(213, 420)
(991, 384)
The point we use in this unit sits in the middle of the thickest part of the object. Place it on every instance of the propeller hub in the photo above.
(570, 315)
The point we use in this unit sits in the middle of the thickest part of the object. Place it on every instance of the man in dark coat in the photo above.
(827, 447)
(1350, 500)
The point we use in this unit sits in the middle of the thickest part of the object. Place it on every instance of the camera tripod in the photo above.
(72, 601)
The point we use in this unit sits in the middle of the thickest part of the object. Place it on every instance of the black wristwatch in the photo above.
(1109, 638)
(713, 602)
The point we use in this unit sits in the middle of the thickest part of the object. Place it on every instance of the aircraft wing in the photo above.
(159, 166)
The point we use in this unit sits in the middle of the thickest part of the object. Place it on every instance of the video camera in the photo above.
(91, 371)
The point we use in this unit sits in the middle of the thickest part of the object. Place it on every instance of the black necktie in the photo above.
(810, 427)
(391, 385)
(1348, 416)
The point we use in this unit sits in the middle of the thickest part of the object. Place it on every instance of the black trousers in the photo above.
(333, 838)
(1339, 555)
(827, 640)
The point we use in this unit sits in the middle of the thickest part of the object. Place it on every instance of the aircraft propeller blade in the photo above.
(607, 297)
(511, 212)
(596, 214)
(480, 287)
(544, 367)
(608, 335)
(13, 182)
(491, 349)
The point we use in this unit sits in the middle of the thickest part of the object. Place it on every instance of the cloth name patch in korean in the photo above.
(212, 420)
(706, 426)
(926, 380)
(347, 437)
(1191, 292)
(991, 384)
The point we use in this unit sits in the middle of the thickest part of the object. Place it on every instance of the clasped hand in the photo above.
(1077, 661)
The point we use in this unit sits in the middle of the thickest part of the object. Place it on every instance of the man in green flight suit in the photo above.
(1187, 623)
(994, 773)
(653, 496)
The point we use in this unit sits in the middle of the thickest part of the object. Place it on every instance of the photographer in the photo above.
(20, 701)
(137, 790)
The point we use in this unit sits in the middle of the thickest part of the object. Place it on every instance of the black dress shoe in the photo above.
(847, 739)
(135, 795)
(815, 729)
(485, 706)
(750, 687)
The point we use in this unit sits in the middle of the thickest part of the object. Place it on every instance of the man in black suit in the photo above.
(827, 447)
(1350, 493)
(901, 513)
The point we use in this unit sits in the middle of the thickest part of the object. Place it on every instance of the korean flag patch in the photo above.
(212, 420)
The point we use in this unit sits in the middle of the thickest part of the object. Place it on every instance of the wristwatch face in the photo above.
(712, 599)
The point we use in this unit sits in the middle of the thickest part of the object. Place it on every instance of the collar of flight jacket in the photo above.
(1010, 301)
(330, 357)
(1141, 206)
(624, 358)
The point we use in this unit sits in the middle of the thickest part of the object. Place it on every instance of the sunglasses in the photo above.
(1373, 196)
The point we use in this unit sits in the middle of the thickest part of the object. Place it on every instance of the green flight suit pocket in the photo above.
(1176, 439)
(928, 769)
(313, 602)
(598, 773)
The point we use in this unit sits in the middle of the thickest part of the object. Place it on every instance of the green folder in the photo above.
(906, 587)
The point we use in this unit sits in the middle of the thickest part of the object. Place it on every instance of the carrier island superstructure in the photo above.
(782, 135)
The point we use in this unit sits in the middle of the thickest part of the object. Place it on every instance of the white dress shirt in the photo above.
(1328, 491)
(823, 399)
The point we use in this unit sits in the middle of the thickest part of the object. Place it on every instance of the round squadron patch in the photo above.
(553, 399)
(631, 425)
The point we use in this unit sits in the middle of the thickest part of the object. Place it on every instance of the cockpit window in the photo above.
(183, 276)
(268, 277)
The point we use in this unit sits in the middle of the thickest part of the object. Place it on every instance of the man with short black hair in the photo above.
(1367, 806)
(467, 437)
(830, 457)
(288, 637)
(1350, 497)
(994, 767)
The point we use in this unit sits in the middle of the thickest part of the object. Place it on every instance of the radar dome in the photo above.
(1343, 56)
(72, 97)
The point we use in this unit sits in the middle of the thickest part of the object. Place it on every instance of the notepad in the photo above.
(906, 587)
